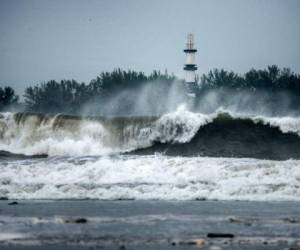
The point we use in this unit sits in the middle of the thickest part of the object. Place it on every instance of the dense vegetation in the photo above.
(273, 89)
(272, 79)
(70, 96)
(8, 98)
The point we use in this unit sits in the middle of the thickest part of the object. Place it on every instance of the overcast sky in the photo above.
(71, 39)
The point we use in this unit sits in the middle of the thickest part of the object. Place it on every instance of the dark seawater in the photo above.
(5, 155)
(148, 224)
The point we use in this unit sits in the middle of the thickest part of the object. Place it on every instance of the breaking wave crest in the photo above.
(220, 134)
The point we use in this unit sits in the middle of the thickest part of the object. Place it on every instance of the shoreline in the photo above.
(90, 224)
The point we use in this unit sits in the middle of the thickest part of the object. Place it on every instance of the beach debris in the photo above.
(246, 222)
(220, 235)
(195, 242)
(77, 220)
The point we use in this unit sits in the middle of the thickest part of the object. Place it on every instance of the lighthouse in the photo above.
(190, 67)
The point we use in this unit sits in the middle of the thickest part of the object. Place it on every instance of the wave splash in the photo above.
(30, 133)
(179, 133)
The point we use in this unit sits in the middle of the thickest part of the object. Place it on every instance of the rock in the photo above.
(77, 221)
(219, 235)
(13, 203)
(122, 247)
(3, 198)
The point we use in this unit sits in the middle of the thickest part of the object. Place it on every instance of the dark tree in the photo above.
(65, 96)
(8, 98)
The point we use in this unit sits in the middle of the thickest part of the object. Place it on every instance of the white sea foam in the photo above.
(151, 177)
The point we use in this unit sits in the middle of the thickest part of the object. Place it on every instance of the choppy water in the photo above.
(176, 156)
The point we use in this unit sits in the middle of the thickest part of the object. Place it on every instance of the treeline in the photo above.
(272, 79)
(70, 96)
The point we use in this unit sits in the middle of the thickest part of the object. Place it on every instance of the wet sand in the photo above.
(90, 224)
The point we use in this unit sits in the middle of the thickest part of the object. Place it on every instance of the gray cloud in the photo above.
(43, 40)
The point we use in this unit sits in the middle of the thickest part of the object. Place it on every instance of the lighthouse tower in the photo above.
(190, 67)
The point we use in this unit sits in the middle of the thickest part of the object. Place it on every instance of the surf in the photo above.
(152, 177)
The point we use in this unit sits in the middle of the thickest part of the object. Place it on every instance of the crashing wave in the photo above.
(182, 132)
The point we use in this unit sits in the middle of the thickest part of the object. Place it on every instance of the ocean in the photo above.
(156, 181)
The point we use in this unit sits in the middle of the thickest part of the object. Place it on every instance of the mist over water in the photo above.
(157, 98)
(247, 102)
(150, 99)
